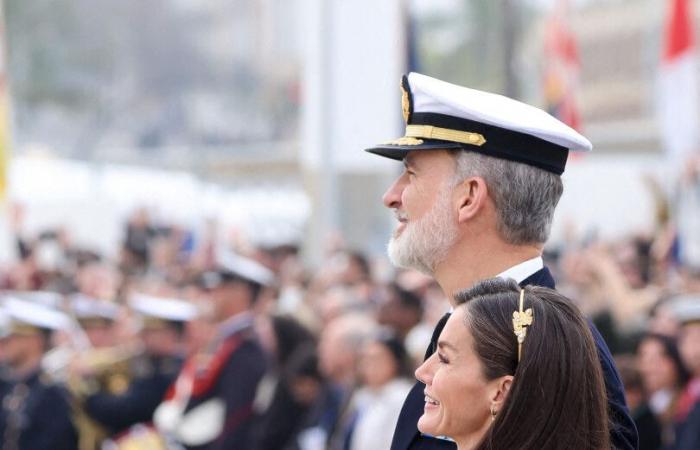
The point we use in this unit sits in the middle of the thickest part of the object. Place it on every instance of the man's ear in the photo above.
(472, 194)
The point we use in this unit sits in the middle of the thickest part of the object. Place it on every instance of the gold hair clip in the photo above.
(520, 321)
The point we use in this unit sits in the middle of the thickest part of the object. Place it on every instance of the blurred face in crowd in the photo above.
(421, 198)
(20, 350)
(664, 321)
(229, 299)
(336, 356)
(656, 367)
(377, 365)
(101, 334)
(161, 341)
(458, 395)
(689, 346)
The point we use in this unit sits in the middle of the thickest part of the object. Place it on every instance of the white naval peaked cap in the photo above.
(441, 115)
(169, 309)
(230, 265)
(686, 308)
(49, 299)
(24, 312)
(85, 307)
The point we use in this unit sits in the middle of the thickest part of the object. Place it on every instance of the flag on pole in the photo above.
(678, 112)
(561, 68)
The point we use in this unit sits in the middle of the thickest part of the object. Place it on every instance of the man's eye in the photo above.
(442, 358)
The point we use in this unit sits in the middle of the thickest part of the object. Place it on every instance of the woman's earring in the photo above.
(493, 413)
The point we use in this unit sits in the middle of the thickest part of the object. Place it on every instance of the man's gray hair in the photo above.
(524, 196)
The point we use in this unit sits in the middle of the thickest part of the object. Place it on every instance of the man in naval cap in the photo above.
(120, 406)
(35, 413)
(211, 405)
(481, 180)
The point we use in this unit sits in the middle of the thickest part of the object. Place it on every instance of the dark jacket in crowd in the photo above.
(35, 414)
(236, 385)
(151, 378)
(688, 432)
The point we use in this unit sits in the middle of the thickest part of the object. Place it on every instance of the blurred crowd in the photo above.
(338, 345)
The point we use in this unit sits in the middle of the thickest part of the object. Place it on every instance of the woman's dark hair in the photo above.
(290, 335)
(670, 347)
(557, 399)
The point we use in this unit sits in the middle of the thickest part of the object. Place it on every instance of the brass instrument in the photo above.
(105, 369)
(85, 370)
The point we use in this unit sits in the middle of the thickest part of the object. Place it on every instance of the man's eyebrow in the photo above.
(408, 162)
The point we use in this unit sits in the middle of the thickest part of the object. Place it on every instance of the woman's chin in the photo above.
(426, 426)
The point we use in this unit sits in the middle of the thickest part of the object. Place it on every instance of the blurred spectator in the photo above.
(637, 401)
(688, 415)
(280, 413)
(401, 310)
(341, 341)
(663, 376)
(135, 251)
(385, 372)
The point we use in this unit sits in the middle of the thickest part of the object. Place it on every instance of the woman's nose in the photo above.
(425, 372)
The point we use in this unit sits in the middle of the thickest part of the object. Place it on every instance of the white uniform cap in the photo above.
(23, 312)
(686, 308)
(49, 299)
(170, 309)
(440, 115)
(232, 266)
(84, 307)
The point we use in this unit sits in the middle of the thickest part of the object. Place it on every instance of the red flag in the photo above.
(561, 68)
(679, 32)
(678, 111)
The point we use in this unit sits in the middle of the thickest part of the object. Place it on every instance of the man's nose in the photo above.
(392, 197)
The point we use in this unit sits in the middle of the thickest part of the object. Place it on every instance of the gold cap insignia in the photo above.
(406, 140)
(405, 100)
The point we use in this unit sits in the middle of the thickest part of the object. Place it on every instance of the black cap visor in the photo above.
(399, 152)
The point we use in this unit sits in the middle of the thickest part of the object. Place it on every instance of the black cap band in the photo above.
(500, 142)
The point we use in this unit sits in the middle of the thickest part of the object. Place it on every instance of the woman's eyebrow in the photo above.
(446, 345)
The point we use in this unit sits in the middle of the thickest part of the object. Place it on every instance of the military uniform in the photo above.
(35, 412)
(151, 377)
(211, 404)
(214, 394)
(35, 415)
(130, 400)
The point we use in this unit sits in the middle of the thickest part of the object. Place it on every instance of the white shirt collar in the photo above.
(521, 271)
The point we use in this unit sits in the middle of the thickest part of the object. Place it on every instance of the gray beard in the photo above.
(425, 244)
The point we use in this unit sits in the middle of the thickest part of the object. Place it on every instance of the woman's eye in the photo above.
(442, 358)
